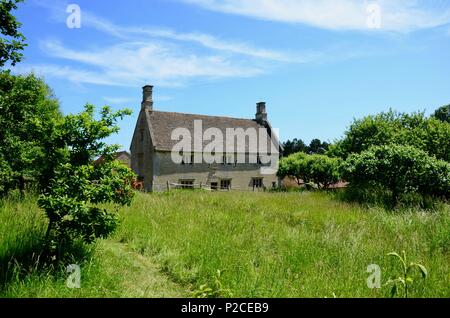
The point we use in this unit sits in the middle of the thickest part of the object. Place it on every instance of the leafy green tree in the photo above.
(323, 170)
(29, 115)
(294, 146)
(443, 114)
(293, 167)
(75, 198)
(400, 170)
(13, 41)
(5, 175)
(297, 145)
(427, 134)
(317, 147)
(319, 169)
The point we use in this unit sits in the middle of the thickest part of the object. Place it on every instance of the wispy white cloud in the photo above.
(158, 55)
(69, 73)
(134, 63)
(398, 15)
(142, 33)
(127, 100)
(203, 39)
(155, 55)
(120, 100)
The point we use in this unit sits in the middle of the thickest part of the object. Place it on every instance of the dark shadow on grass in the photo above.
(382, 198)
(33, 258)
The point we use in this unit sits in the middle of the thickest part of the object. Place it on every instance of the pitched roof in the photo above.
(162, 124)
(117, 155)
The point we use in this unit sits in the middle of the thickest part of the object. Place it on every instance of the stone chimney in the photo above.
(147, 97)
(261, 114)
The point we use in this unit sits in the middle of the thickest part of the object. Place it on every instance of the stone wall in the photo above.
(241, 175)
(141, 151)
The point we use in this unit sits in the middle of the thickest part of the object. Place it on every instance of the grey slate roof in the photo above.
(162, 124)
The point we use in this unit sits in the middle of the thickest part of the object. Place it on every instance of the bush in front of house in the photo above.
(75, 198)
(321, 170)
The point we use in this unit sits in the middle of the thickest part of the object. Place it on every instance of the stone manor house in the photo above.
(153, 145)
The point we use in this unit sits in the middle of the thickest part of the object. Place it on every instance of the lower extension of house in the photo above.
(155, 144)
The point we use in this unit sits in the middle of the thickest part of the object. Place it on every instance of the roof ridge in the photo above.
(201, 115)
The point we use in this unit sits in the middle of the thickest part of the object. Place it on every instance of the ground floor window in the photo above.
(187, 184)
(257, 182)
(225, 184)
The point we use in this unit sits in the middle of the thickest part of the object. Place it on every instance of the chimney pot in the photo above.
(147, 97)
(261, 114)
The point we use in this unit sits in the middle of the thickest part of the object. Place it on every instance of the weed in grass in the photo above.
(406, 279)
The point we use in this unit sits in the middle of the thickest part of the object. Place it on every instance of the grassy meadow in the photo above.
(306, 244)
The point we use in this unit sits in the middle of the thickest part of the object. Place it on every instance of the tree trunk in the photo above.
(394, 197)
(22, 186)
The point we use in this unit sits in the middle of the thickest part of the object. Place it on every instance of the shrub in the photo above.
(401, 170)
(29, 114)
(443, 113)
(293, 167)
(73, 201)
(323, 170)
(428, 134)
(73, 205)
(318, 169)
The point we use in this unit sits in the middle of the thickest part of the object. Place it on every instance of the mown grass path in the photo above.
(141, 276)
(113, 269)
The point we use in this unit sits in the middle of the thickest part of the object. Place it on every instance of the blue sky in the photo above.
(318, 64)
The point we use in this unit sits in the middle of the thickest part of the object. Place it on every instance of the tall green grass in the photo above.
(284, 244)
(107, 269)
(22, 226)
(266, 245)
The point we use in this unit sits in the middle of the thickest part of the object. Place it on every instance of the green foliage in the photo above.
(406, 279)
(428, 134)
(29, 116)
(297, 145)
(282, 244)
(443, 114)
(399, 169)
(13, 41)
(78, 188)
(204, 291)
(293, 166)
(317, 147)
(40, 146)
(319, 169)
(323, 170)
(82, 136)
(294, 146)
(271, 245)
(73, 203)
